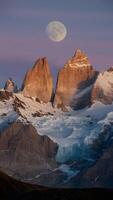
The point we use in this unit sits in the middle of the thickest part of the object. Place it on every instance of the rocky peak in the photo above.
(79, 54)
(79, 59)
(38, 82)
(10, 86)
(42, 62)
(77, 75)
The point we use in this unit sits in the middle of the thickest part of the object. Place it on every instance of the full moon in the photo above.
(56, 31)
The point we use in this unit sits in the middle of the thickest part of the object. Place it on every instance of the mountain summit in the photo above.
(79, 59)
(38, 82)
(10, 86)
(76, 75)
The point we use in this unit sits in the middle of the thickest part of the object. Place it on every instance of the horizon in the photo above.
(23, 39)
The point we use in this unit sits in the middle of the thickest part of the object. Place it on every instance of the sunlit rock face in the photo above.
(103, 87)
(10, 86)
(38, 82)
(76, 75)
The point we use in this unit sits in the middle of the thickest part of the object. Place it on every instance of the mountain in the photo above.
(74, 82)
(42, 144)
(103, 87)
(24, 153)
(38, 82)
(10, 86)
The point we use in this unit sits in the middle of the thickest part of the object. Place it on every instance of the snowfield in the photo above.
(73, 131)
(7, 114)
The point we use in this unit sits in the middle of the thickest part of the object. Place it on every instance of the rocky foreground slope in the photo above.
(12, 189)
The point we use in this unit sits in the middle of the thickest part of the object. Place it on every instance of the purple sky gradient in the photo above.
(23, 39)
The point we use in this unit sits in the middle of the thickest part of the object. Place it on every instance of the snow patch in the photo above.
(105, 81)
(7, 113)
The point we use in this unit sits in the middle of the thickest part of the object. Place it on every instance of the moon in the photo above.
(56, 31)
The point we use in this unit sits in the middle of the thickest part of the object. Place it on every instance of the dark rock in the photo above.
(5, 95)
(24, 153)
(41, 114)
(11, 189)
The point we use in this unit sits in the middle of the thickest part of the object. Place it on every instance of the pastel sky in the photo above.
(23, 40)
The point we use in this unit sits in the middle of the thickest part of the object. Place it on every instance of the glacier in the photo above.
(75, 131)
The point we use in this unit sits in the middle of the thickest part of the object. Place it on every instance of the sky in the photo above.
(23, 39)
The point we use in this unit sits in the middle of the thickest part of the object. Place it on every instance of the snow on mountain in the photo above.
(80, 135)
(103, 88)
(75, 132)
(105, 80)
(7, 113)
(79, 60)
(32, 109)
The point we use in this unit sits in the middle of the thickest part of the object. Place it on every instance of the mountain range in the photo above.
(78, 83)
(59, 136)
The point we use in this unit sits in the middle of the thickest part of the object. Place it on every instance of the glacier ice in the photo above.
(75, 131)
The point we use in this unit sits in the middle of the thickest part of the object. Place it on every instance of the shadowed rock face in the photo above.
(38, 81)
(101, 174)
(76, 75)
(24, 153)
(10, 86)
